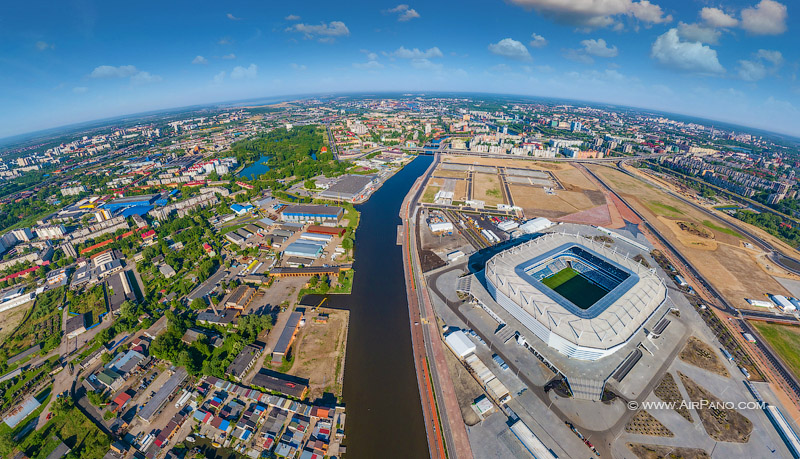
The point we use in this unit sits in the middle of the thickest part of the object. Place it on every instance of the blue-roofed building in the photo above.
(303, 249)
(312, 214)
(135, 210)
(241, 209)
(131, 201)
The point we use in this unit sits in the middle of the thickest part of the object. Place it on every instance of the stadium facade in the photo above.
(578, 296)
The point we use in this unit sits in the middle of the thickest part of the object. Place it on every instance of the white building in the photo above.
(536, 225)
(460, 343)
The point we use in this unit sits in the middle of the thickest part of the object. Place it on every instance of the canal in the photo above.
(384, 415)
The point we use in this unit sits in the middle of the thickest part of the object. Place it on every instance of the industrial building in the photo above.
(240, 298)
(287, 336)
(536, 225)
(143, 200)
(244, 361)
(303, 250)
(349, 188)
(312, 214)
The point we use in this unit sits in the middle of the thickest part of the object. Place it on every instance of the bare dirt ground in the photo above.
(466, 389)
(703, 356)
(487, 188)
(503, 162)
(535, 202)
(643, 451)
(10, 320)
(732, 269)
(644, 423)
(449, 174)
(667, 390)
(721, 424)
(319, 353)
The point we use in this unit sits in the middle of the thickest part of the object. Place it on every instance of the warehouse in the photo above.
(131, 201)
(332, 230)
(536, 225)
(240, 298)
(244, 361)
(287, 336)
(273, 381)
(303, 250)
(157, 401)
(349, 188)
(312, 214)
(316, 237)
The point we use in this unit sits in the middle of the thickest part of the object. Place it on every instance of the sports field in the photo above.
(574, 287)
(785, 340)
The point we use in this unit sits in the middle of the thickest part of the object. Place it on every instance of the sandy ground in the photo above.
(319, 353)
(484, 184)
(451, 174)
(518, 163)
(732, 269)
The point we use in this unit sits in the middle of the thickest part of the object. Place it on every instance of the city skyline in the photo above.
(731, 62)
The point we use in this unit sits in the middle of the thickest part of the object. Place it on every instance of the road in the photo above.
(446, 431)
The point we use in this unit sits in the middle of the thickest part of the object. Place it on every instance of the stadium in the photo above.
(578, 296)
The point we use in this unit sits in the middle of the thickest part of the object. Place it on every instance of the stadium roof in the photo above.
(603, 327)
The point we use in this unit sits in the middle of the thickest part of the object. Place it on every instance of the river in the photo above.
(384, 414)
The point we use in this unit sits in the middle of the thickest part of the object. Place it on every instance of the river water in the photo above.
(384, 415)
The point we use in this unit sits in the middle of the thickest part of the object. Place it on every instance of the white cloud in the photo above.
(698, 32)
(299, 67)
(229, 56)
(372, 56)
(405, 13)
(415, 53)
(425, 64)
(109, 71)
(669, 50)
(232, 17)
(80, 89)
(752, 70)
(766, 18)
(240, 72)
(145, 78)
(596, 13)
(599, 48)
(756, 69)
(771, 56)
(510, 48)
(370, 65)
(537, 41)
(224, 41)
(715, 17)
(43, 45)
(219, 78)
(292, 17)
(199, 60)
(330, 30)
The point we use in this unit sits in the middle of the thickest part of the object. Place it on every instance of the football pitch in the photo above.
(575, 288)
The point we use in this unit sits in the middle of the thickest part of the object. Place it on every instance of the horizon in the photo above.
(734, 62)
(27, 136)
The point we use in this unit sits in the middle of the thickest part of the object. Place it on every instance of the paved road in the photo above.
(436, 387)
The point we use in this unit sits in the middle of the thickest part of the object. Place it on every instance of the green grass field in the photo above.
(721, 229)
(659, 208)
(554, 281)
(785, 340)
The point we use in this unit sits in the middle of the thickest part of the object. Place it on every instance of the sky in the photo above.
(80, 60)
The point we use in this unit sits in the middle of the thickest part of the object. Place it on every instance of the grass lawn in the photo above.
(430, 193)
(659, 208)
(555, 280)
(721, 229)
(785, 339)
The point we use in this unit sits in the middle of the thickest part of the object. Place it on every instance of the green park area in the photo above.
(785, 340)
(92, 300)
(721, 229)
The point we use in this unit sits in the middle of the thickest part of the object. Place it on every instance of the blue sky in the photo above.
(72, 61)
